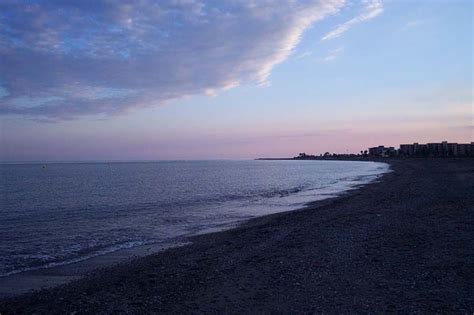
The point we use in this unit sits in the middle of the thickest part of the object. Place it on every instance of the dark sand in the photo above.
(404, 244)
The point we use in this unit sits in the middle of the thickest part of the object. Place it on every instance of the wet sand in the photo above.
(42, 278)
(404, 244)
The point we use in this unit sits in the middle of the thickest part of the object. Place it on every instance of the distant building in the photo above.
(465, 149)
(437, 149)
(382, 151)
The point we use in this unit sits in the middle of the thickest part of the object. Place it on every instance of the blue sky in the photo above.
(216, 79)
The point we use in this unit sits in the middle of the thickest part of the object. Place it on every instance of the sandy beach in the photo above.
(402, 244)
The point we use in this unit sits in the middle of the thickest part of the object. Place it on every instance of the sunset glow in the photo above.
(210, 80)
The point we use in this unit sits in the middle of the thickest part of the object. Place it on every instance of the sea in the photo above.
(59, 213)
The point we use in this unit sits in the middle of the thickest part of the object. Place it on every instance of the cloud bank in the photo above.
(65, 59)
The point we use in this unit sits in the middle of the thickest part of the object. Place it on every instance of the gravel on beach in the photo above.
(402, 244)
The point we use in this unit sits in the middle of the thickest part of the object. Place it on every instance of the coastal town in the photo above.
(435, 149)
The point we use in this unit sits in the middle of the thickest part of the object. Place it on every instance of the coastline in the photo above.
(60, 273)
(399, 244)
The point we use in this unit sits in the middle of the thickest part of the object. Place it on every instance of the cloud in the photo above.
(332, 55)
(3, 92)
(372, 8)
(411, 24)
(305, 54)
(66, 59)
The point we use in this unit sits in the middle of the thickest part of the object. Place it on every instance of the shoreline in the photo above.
(399, 244)
(44, 277)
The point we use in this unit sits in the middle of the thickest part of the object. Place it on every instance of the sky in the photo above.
(192, 79)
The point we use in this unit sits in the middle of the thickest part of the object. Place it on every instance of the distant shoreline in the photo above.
(402, 244)
(363, 159)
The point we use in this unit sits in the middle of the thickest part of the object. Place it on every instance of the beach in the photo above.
(401, 244)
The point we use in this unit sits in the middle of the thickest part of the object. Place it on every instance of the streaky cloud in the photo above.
(66, 59)
(333, 55)
(372, 9)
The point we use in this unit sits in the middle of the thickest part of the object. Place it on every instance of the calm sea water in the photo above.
(54, 214)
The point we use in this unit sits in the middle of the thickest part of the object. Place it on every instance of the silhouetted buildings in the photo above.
(441, 149)
(382, 151)
(437, 149)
